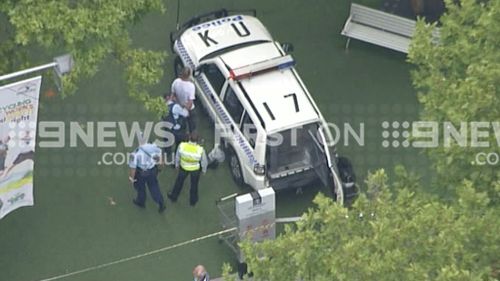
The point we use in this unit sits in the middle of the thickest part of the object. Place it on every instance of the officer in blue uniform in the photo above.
(143, 164)
(177, 116)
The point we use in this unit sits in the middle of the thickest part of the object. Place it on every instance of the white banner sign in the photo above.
(18, 119)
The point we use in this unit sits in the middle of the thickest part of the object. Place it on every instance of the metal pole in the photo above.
(178, 13)
(29, 70)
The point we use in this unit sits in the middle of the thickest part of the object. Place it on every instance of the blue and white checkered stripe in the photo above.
(218, 107)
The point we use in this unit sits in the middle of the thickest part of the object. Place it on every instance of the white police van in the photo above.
(271, 127)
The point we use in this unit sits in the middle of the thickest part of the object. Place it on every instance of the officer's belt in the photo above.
(142, 170)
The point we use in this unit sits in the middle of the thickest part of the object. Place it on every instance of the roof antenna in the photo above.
(178, 12)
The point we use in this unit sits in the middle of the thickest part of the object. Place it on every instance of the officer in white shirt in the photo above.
(183, 90)
(143, 164)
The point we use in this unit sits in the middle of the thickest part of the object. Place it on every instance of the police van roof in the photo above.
(278, 97)
(213, 36)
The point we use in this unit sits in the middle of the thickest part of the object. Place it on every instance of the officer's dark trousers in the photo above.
(150, 179)
(191, 120)
(179, 136)
(179, 182)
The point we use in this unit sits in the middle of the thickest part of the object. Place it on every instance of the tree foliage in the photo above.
(91, 30)
(458, 81)
(397, 231)
(400, 235)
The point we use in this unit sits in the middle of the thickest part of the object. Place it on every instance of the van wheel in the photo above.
(235, 167)
(178, 65)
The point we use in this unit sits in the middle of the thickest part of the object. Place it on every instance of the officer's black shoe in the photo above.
(139, 204)
(162, 208)
(171, 197)
(192, 203)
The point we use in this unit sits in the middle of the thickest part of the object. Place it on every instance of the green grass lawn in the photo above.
(74, 226)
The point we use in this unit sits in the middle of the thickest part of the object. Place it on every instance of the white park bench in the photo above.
(379, 28)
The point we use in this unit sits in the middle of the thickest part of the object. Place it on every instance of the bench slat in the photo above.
(377, 37)
(382, 20)
(380, 28)
(390, 25)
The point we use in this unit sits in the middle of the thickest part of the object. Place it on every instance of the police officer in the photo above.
(176, 116)
(191, 158)
(143, 164)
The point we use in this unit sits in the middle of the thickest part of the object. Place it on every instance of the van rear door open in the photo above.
(333, 177)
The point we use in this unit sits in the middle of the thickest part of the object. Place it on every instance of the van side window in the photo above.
(215, 77)
(249, 130)
(233, 105)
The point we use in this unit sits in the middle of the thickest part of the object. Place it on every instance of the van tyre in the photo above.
(235, 167)
(348, 178)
